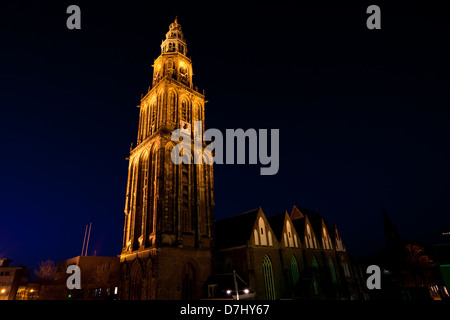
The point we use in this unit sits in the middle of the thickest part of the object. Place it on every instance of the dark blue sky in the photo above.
(363, 115)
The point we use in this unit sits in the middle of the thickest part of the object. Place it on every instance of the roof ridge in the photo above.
(239, 214)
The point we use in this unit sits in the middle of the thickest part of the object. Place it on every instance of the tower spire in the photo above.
(174, 41)
(169, 208)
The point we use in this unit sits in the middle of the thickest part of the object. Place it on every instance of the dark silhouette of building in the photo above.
(167, 239)
(442, 253)
(409, 268)
(285, 256)
(99, 280)
(11, 278)
(168, 247)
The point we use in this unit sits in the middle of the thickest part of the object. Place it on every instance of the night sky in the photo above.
(363, 114)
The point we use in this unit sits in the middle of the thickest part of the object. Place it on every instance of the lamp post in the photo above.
(235, 285)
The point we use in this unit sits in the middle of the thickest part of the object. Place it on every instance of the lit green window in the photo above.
(268, 278)
(332, 270)
(294, 270)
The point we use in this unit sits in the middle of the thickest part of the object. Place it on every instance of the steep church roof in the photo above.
(299, 225)
(312, 215)
(315, 219)
(236, 230)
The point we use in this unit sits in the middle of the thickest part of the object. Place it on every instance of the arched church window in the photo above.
(289, 231)
(308, 237)
(296, 240)
(268, 278)
(262, 230)
(189, 283)
(344, 265)
(294, 270)
(153, 114)
(325, 238)
(315, 275)
(332, 270)
(256, 236)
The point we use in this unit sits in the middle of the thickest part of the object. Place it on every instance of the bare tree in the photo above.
(46, 271)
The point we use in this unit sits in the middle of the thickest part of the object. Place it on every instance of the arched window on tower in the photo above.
(153, 118)
(141, 198)
(154, 115)
(172, 104)
(130, 203)
(184, 111)
(187, 214)
(189, 283)
(144, 123)
(153, 170)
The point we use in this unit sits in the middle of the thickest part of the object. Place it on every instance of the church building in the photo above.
(172, 247)
(286, 256)
(167, 236)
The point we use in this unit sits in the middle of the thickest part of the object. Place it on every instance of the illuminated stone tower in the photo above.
(166, 251)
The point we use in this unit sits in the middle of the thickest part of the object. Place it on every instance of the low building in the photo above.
(99, 279)
(28, 291)
(11, 278)
(442, 252)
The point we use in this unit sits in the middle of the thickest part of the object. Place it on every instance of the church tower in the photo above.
(167, 236)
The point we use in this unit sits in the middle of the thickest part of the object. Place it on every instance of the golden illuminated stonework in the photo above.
(166, 252)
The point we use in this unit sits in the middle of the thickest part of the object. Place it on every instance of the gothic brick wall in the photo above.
(167, 273)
